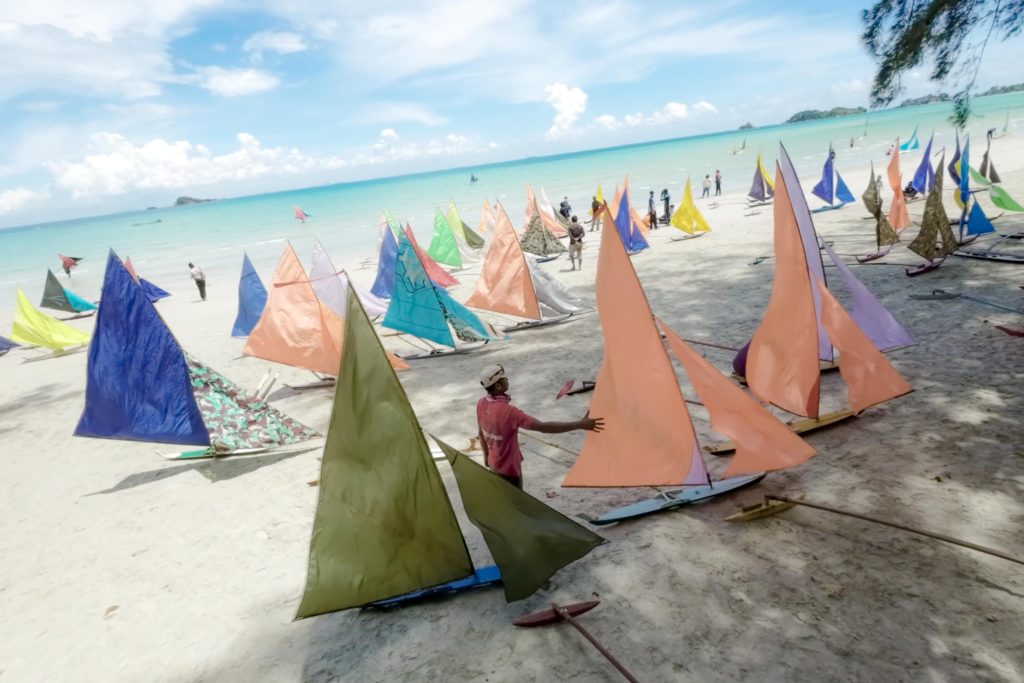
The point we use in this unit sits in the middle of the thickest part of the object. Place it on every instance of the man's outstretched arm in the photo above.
(590, 424)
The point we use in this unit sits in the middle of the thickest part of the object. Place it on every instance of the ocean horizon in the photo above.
(345, 216)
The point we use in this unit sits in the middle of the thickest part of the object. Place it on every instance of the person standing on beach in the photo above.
(499, 422)
(575, 243)
(595, 214)
(707, 187)
(200, 279)
(564, 208)
(650, 204)
(718, 183)
(665, 199)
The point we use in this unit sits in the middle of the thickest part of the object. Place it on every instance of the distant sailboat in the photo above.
(300, 215)
(152, 291)
(473, 178)
(912, 143)
(687, 217)
(380, 492)
(831, 186)
(741, 148)
(68, 263)
(763, 188)
(865, 133)
(512, 284)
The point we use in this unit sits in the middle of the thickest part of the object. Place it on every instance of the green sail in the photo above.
(528, 540)
(443, 247)
(468, 235)
(1003, 200)
(384, 525)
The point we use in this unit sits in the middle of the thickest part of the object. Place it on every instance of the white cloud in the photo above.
(854, 86)
(40, 106)
(116, 165)
(20, 198)
(390, 148)
(606, 121)
(281, 42)
(671, 112)
(398, 112)
(569, 104)
(388, 134)
(705, 107)
(235, 82)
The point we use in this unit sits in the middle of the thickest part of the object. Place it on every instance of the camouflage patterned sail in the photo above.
(884, 234)
(934, 226)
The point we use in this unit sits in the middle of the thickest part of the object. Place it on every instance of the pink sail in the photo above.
(436, 273)
(899, 217)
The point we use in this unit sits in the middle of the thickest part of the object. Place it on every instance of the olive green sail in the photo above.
(384, 525)
(459, 226)
(528, 540)
(935, 239)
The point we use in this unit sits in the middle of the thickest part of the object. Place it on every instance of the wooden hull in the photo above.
(802, 426)
(924, 268)
(687, 237)
(673, 499)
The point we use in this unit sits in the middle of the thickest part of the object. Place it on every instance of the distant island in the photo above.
(927, 99)
(185, 201)
(1003, 89)
(814, 114)
(747, 126)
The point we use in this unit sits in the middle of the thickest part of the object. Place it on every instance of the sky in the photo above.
(114, 105)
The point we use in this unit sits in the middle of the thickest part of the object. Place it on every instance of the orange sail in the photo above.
(549, 221)
(505, 285)
(486, 219)
(641, 223)
(782, 364)
(869, 377)
(762, 442)
(295, 328)
(501, 218)
(436, 273)
(648, 439)
(899, 217)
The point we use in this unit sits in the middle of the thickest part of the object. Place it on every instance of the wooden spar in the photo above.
(782, 503)
(558, 613)
(714, 346)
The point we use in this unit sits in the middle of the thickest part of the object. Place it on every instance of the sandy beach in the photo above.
(120, 566)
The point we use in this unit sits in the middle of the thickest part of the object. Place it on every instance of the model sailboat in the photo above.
(420, 308)
(912, 143)
(59, 298)
(446, 247)
(153, 293)
(687, 217)
(924, 178)
(380, 492)
(885, 236)
(510, 284)
(649, 438)
(763, 188)
(463, 232)
(388, 252)
(935, 241)
(141, 385)
(331, 285)
(538, 239)
(38, 329)
(831, 186)
(545, 213)
(899, 217)
(626, 228)
(973, 221)
(803, 322)
(252, 299)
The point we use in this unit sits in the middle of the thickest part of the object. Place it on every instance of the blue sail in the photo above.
(153, 293)
(632, 239)
(252, 298)
(843, 193)
(421, 308)
(953, 173)
(385, 281)
(6, 345)
(965, 176)
(77, 302)
(137, 381)
(824, 190)
(924, 178)
(977, 222)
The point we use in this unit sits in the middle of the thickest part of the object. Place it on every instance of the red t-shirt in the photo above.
(499, 422)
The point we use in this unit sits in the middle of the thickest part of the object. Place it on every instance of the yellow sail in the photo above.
(688, 217)
(764, 173)
(599, 196)
(34, 328)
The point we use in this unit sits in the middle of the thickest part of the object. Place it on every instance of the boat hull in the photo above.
(673, 499)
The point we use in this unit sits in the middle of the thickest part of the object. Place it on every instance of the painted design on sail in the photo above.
(762, 189)
(511, 284)
(141, 386)
(38, 329)
(59, 298)
(331, 285)
(687, 217)
(782, 361)
(831, 187)
(380, 491)
(252, 299)
(438, 275)
(899, 217)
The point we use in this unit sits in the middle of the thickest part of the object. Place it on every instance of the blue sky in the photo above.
(111, 105)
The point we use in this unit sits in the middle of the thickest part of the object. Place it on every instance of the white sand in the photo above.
(119, 566)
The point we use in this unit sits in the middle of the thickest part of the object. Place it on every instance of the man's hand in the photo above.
(591, 424)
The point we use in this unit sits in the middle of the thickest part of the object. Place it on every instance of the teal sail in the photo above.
(59, 298)
(421, 308)
(912, 143)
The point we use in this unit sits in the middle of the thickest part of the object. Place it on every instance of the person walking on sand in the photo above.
(595, 214)
(718, 183)
(650, 203)
(200, 279)
(575, 243)
(499, 422)
(665, 199)
(564, 208)
(707, 187)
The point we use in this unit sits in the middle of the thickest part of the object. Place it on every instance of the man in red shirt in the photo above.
(499, 423)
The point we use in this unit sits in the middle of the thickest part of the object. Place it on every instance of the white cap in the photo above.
(490, 375)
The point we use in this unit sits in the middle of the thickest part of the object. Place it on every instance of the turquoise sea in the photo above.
(345, 216)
